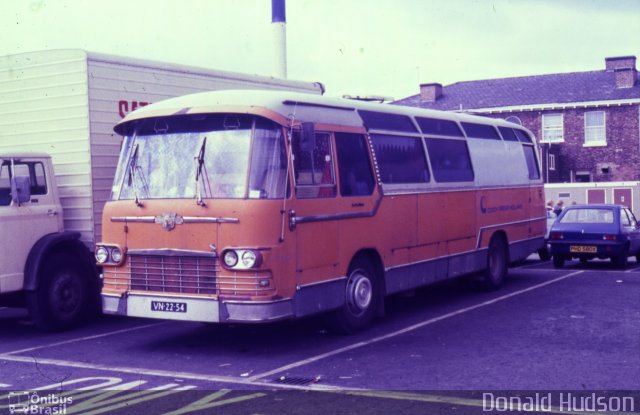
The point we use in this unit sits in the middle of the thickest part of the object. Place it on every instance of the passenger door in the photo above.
(315, 206)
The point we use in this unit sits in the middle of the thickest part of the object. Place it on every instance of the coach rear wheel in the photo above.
(497, 263)
(361, 298)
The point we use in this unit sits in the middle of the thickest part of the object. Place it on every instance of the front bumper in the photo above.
(209, 310)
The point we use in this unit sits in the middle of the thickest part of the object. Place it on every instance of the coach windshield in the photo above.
(212, 156)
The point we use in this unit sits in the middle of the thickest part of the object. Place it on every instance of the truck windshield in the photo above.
(223, 156)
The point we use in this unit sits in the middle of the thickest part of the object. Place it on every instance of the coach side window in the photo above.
(401, 159)
(354, 167)
(313, 166)
(449, 160)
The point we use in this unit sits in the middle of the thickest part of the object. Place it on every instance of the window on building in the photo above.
(400, 159)
(552, 128)
(594, 128)
(583, 176)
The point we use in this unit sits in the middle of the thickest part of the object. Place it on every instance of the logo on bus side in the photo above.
(499, 208)
(169, 220)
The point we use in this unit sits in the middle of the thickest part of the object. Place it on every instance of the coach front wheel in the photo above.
(361, 298)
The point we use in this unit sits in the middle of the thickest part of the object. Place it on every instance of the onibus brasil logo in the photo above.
(25, 402)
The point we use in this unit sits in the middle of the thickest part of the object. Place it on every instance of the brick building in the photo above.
(587, 123)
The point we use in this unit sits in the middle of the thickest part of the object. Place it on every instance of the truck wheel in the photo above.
(497, 263)
(361, 299)
(61, 299)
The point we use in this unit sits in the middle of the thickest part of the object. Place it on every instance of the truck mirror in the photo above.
(307, 137)
(20, 189)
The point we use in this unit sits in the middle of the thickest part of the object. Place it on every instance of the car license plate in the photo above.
(578, 249)
(169, 306)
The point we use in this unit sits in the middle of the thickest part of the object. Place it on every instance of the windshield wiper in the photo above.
(201, 174)
(133, 175)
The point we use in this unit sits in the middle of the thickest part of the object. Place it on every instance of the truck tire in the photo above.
(63, 294)
(361, 298)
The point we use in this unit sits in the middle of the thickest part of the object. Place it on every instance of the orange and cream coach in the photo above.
(255, 206)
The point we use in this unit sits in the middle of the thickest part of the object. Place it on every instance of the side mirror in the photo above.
(20, 189)
(307, 137)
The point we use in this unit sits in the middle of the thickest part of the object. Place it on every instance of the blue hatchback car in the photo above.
(595, 231)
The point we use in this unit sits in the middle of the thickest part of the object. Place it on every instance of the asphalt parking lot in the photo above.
(573, 329)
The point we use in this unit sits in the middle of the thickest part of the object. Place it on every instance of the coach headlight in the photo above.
(230, 258)
(249, 259)
(241, 259)
(102, 255)
(109, 255)
(116, 255)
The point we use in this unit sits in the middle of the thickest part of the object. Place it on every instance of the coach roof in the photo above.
(336, 110)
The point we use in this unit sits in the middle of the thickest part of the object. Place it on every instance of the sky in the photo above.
(355, 47)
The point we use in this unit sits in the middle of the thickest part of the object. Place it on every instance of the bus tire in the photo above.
(497, 263)
(544, 254)
(62, 297)
(361, 299)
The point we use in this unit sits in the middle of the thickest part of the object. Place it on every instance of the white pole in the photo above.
(279, 22)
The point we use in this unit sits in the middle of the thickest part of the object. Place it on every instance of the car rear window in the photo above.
(587, 216)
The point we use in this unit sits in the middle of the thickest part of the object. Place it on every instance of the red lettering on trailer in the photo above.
(124, 106)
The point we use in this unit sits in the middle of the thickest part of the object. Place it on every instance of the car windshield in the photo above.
(203, 156)
(589, 215)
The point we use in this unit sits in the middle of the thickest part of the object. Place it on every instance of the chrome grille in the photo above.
(183, 274)
(173, 274)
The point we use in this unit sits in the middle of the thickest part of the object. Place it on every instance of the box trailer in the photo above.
(64, 103)
(620, 193)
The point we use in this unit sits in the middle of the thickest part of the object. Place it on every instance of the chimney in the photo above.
(430, 92)
(620, 62)
(624, 68)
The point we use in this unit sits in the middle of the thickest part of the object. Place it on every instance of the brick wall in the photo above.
(621, 154)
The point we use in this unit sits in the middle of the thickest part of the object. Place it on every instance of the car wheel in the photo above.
(558, 261)
(361, 299)
(621, 260)
(638, 257)
(544, 254)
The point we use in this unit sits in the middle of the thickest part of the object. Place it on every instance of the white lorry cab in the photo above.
(41, 264)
